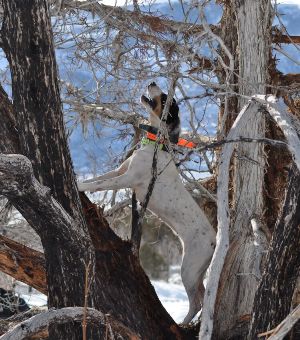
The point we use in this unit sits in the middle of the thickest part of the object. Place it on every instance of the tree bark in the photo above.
(274, 294)
(28, 46)
(238, 281)
(9, 142)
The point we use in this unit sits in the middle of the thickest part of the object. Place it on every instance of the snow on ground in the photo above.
(174, 299)
(171, 295)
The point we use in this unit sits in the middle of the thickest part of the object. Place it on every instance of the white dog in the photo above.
(174, 205)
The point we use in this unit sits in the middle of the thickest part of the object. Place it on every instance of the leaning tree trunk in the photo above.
(118, 284)
(273, 298)
(239, 279)
(27, 41)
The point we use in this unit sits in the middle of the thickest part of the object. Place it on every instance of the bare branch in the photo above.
(117, 206)
(104, 111)
(115, 15)
(40, 322)
(280, 50)
(136, 226)
(286, 39)
(132, 22)
(33, 200)
(289, 79)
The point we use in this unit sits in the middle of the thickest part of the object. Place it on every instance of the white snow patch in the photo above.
(35, 300)
(173, 297)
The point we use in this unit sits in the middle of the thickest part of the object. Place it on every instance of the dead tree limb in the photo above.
(27, 194)
(285, 326)
(23, 264)
(40, 322)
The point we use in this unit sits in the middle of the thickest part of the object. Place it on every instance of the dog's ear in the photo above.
(174, 108)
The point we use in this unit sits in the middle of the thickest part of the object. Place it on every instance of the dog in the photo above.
(169, 200)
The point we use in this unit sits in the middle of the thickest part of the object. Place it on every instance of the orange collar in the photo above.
(182, 142)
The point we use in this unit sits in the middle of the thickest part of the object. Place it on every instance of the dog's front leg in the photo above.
(111, 174)
(127, 180)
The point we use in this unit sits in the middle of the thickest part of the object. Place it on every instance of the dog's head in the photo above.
(155, 103)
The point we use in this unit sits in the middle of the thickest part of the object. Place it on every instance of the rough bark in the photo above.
(9, 142)
(28, 45)
(274, 295)
(229, 109)
(238, 284)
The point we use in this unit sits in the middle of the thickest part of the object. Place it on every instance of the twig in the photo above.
(136, 227)
(86, 293)
(116, 207)
(284, 327)
(286, 54)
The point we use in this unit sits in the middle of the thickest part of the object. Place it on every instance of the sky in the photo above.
(123, 2)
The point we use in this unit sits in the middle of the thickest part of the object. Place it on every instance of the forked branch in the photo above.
(34, 201)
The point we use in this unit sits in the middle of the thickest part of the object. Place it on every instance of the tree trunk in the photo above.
(118, 284)
(239, 281)
(28, 45)
(274, 295)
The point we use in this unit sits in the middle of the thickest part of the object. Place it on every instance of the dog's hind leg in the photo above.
(193, 268)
